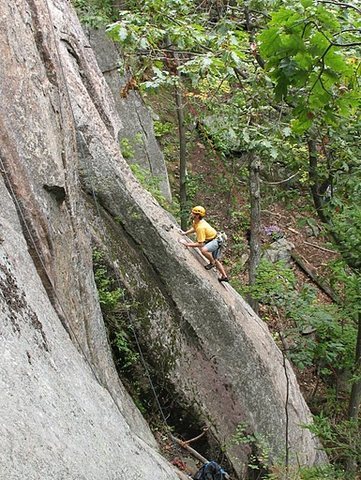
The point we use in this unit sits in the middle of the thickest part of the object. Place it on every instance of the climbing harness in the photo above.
(222, 239)
(222, 244)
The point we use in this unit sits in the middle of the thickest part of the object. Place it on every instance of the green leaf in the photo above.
(302, 122)
(319, 97)
(336, 61)
(307, 3)
(319, 43)
(246, 137)
(281, 87)
(274, 153)
(270, 42)
(205, 63)
(236, 59)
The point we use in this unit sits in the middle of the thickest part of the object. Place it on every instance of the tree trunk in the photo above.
(255, 247)
(317, 191)
(355, 397)
(174, 63)
(315, 278)
(314, 180)
(182, 159)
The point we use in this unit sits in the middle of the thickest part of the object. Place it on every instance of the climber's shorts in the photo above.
(213, 248)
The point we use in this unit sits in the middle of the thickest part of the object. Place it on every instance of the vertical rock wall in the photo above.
(64, 412)
(136, 128)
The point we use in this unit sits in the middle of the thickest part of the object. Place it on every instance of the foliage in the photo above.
(311, 62)
(128, 357)
(260, 456)
(341, 439)
(323, 472)
(348, 284)
(242, 218)
(114, 308)
(311, 54)
(195, 181)
(128, 145)
(160, 27)
(109, 294)
(249, 122)
(332, 345)
(265, 77)
(312, 57)
(274, 232)
(126, 148)
(95, 13)
(239, 244)
(274, 284)
(149, 182)
(162, 128)
(346, 225)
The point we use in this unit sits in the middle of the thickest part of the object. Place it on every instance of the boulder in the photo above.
(59, 418)
(279, 250)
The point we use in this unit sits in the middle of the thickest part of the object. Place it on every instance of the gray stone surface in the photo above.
(57, 420)
(65, 413)
(136, 128)
(279, 250)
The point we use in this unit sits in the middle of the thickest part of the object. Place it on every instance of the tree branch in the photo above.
(281, 181)
(347, 30)
(315, 278)
(342, 4)
(322, 59)
(320, 248)
(354, 44)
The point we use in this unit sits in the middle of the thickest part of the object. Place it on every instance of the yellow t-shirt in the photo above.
(204, 231)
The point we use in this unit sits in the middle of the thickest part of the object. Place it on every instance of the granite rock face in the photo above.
(65, 186)
(136, 130)
(64, 412)
(59, 420)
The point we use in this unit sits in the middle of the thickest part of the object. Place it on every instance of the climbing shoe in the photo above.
(209, 266)
(223, 279)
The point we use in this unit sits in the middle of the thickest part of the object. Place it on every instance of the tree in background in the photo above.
(313, 57)
(158, 38)
(203, 47)
(95, 13)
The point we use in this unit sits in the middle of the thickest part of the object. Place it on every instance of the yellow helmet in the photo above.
(199, 211)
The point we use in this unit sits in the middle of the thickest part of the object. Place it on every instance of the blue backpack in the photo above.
(211, 471)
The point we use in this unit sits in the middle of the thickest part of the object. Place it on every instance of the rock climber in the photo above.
(207, 241)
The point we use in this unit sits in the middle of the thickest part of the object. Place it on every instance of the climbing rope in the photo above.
(130, 320)
(66, 325)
